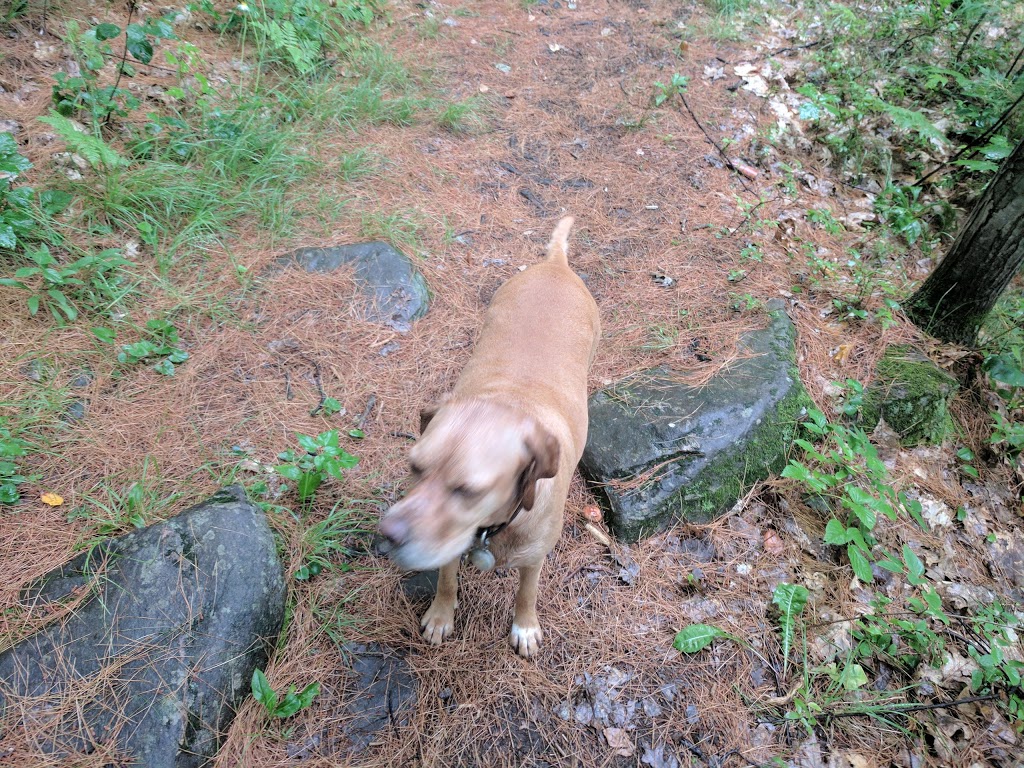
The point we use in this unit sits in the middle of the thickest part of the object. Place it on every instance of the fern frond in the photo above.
(95, 151)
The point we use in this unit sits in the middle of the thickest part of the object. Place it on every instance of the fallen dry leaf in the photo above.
(842, 353)
(772, 543)
(52, 499)
(598, 534)
(619, 740)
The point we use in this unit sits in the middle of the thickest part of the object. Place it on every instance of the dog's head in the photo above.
(474, 461)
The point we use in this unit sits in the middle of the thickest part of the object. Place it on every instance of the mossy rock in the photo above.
(912, 394)
(659, 450)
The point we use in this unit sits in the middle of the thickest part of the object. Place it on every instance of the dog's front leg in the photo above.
(439, 620)
(526, 634)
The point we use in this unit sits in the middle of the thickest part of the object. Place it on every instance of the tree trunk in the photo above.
(955, 298)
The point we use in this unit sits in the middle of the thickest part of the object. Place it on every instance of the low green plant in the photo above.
(853, 398)
(994, 626)
(161, 345)
(92, 51)
(12, 448)
(462, 116)
(92, 148)
(324, 543)
(109, 509)
(909, 214)
(320, 457)
(400, 228)
(277, 706)
(94, 282)
(676, 87)
(20, 207)
(301, 33)
(823, 218)
(790, 600)
(848, 474)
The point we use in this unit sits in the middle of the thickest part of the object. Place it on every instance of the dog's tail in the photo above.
(558, 247)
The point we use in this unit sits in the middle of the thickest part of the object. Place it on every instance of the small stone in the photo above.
(75, 411)
(692, 715)
(387, 349)
(420, 586)
(505, 68)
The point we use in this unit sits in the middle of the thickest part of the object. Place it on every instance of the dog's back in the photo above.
(538, 338)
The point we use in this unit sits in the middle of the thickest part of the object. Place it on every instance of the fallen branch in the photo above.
(729, 163)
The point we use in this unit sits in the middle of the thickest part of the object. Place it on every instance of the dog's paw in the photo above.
(526, 640)
(438, 624)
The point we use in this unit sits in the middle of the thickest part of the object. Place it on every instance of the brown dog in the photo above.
(491, 469)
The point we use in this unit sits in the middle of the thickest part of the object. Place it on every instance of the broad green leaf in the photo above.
(696, 637)
(835, 532)
(981, 166)
(997, 148)
(891, 565)
(107, 32)
(307, 694)
(54, 201)
(289, 471)
(262, 691)
(810, 111)
(8, 239)
(289, 705)
(1004, 369)
(853, 677)
(165, 367)
(859, 563)
(138, 44)
(307, 443)
(307, 485)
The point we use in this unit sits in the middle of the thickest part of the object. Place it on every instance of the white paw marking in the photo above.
(526, 640)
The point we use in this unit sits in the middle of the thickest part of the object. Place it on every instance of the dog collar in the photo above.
(480, 553)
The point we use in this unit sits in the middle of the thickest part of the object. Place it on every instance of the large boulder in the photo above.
(396, 293)
(912, 394)
(659, 450)
(153, 664)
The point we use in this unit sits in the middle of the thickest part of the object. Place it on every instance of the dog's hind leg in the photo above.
(439, 620)
(526, 635)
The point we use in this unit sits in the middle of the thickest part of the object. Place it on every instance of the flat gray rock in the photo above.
(659, 450)
(385, 693)
(396, 292)
(156, 661)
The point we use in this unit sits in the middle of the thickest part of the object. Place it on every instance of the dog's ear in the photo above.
(430, 411)
(544, 454)
(427, 414)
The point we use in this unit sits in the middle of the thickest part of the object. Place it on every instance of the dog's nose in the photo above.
(394, 529)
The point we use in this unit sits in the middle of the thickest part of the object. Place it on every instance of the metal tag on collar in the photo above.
(481, 556)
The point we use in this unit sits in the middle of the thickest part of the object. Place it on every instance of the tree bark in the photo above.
(953, 301)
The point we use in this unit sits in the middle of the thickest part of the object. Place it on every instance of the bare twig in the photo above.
(729, 163)
(972, 147)
(901, 708)
(318, 382)
(366, 412)
(124, 57)
(967, 39)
